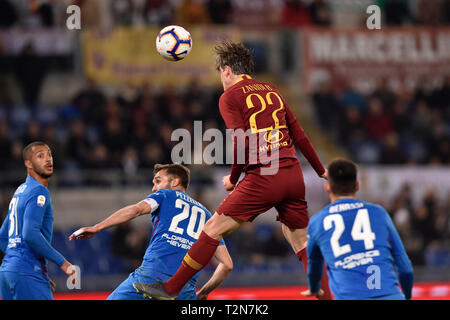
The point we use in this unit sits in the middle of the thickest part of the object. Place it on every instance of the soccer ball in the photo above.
(174, 43)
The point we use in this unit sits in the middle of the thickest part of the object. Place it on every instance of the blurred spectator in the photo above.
(349, 96)
(16, 165)
(391, 152)
(401, 118)
(45, 11)
(401, 210)
(437, 255)
(159, 12)
(246, 246)
(276, 247)
(326, 106)
(130, 243)
(5, 145)
(384, 94)
(376, 122)
(8, 14)
(423, 219)
(91, 14)
(397, 12)
(98, 158)
(363, 149)
(320, 13)
(438, 144)
(78, 145)
(446, 12)
(130, 165)
(429, 12)
(91, 102)
(114, 139)
(30, 71)
(351, 124)
(151, 155)
(220, 11)
(55, 144)
(192, 12)
(295, 13)
(422, 120)
(122, 12)
(33, 133)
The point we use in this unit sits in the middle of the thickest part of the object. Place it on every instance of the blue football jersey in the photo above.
(27, 230)
(177, 224)
(362, 250)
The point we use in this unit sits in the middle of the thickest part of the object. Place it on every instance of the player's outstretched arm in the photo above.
(315, 266)
(223, 269)
(401, 259)
(120, 216)
(31, 231)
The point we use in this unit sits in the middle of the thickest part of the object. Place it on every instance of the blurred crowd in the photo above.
(285, 13)
(129, 131)
(388, 126)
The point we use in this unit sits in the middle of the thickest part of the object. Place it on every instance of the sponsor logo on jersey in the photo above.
(41, 201)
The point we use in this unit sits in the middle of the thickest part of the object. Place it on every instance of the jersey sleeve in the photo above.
(401, 260)
(230, 112)
(302, 141)
(4, 235)
(155, 200)
(32, 224)
(315, 260)
(233, 120)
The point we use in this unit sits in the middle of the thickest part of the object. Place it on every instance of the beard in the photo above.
(42, 173)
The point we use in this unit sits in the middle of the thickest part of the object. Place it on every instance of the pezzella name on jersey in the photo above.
(185, 197)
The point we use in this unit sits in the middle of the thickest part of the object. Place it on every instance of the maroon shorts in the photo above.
(257, 193)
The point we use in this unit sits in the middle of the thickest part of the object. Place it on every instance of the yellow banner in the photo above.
(129, 56)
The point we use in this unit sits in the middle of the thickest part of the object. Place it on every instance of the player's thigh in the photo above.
(220, 225)
(295, 237)
(126, 291)
(253, 196)
(293, 213)
(27, 287)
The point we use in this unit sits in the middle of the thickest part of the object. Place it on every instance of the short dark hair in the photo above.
(235, 55)
(175, 169)
(342, 175)
(26, 152)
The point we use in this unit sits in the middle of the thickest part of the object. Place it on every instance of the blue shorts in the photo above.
(395, 296)
(16, 286)
(126, 291)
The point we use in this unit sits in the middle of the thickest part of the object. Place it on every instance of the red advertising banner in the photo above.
(403, 56)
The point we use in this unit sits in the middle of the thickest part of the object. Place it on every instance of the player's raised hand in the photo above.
(83, 233)
(227, 184)
(325, 175)
(308, 293)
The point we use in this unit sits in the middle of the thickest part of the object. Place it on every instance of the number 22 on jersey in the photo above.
(361, 230)
(263, 105)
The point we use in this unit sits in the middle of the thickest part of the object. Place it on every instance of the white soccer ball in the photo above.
(174, 43)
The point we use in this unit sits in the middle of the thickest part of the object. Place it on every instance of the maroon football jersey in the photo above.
(270, 127)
